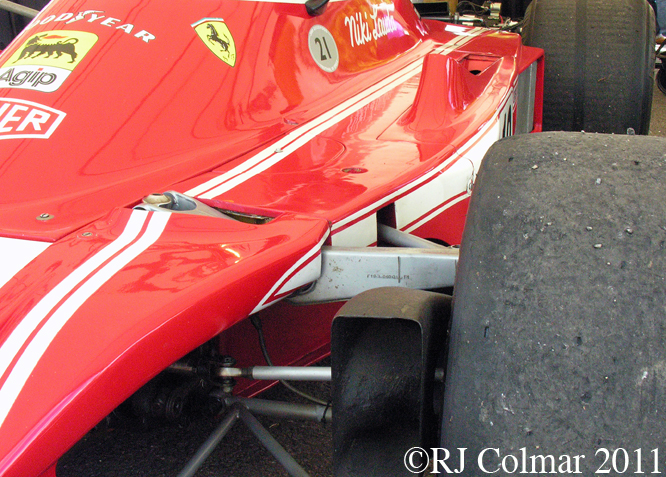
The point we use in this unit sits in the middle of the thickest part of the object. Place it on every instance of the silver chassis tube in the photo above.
(19, 9)
(398, 238)
(236, 412)
(286, 410)
(411, 262)
(348, 271)
(278, 373)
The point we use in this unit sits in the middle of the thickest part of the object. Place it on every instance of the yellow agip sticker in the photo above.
(45, 61)
(59, 48)
(216, 36)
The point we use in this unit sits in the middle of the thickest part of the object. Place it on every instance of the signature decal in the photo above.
(21, 119)
(216, 36)
(364, 27)
(45, 60)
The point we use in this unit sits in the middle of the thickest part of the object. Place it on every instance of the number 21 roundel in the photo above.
(323, 48)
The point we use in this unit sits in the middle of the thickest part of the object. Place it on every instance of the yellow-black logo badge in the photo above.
(217, 37)
(59, 48)
(45, 60)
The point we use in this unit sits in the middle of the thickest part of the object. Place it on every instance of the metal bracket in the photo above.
(348, 271)
(236, 412)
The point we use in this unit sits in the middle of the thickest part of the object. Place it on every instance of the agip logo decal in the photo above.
(46, 59)
(21, 119)
(217, 37)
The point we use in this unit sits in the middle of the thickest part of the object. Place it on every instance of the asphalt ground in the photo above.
(125, 448)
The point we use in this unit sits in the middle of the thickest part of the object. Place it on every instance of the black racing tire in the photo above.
(384, 346)
(661, 80)
(381, 422)
(558, 336)
(599, 63)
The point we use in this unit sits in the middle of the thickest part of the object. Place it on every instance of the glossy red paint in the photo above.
(174, 296)
(327, 125)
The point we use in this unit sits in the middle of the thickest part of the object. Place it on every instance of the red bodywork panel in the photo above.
(327, 125)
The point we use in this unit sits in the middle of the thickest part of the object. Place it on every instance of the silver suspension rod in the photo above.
(278, 373)
(19, 9)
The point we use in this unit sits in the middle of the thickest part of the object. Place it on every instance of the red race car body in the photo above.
(293, 131)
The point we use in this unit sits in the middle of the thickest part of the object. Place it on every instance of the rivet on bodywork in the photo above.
(44, 216)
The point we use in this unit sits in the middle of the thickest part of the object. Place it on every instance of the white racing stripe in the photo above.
(27, 326)
(285, 145)
(263, 303)
(389, 198)
(41, 341)
(302, 140)
(435, 212)
(485, 130)
(302, 135)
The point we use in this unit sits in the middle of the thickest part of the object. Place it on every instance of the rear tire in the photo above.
(599, 63)
(558, 337)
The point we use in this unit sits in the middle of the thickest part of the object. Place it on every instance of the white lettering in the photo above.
(420, 453)
(437, 461)
(9, 117)
(110, 21)
(63, 17)
(33, 23)
(127, 27)
(82, 15)
(25, 119)
(383, 25)
(547, 462)
(360, 32)
(145, 36)
(515, 463)
(479, 461)
(94, 17)
(36, 118)
(47, 20)
(565, 464)
(527, 464)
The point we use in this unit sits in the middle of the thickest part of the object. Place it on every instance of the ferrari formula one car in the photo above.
(202, 198)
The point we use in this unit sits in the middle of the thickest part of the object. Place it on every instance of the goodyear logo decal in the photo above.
(21, 119)
(46, 59)
(216, 36)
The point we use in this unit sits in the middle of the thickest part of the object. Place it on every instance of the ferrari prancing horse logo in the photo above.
(216, 36)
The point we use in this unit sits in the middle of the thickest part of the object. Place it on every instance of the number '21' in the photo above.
(319, 42)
